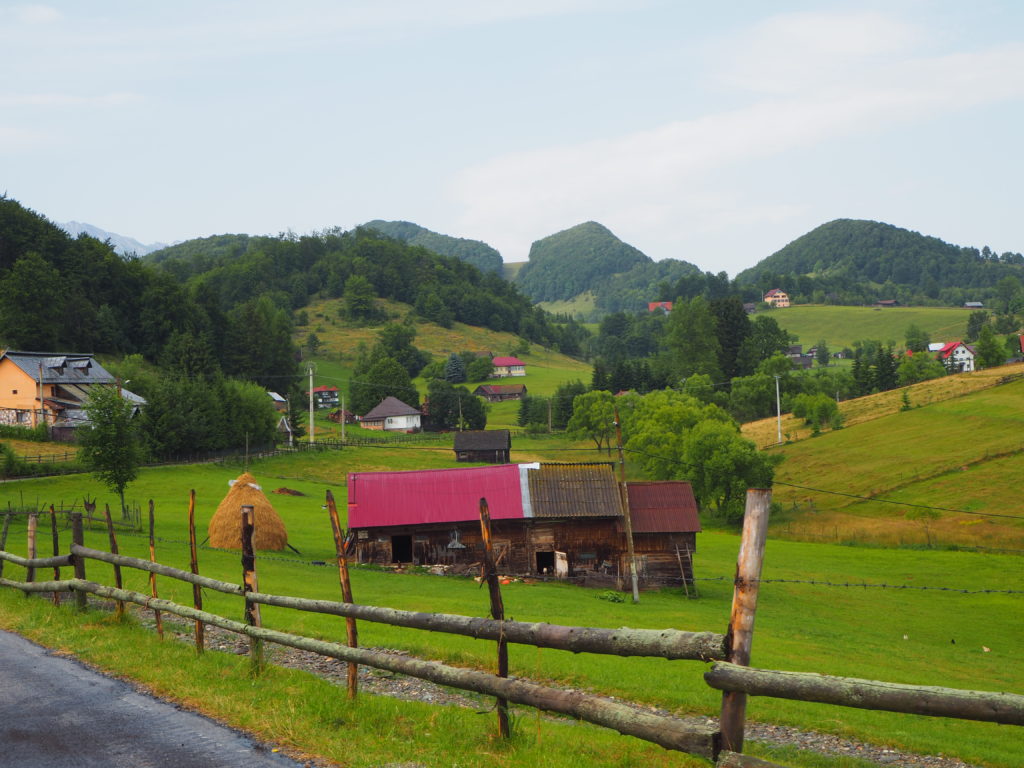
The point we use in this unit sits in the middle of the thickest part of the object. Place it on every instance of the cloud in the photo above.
(832, 78)
(65, 99)
(36, 14)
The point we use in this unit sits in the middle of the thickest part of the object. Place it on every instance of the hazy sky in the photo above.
(711, 132)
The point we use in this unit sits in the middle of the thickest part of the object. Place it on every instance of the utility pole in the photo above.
(343, 417)
(624, 494)
(311, 369)
(778, 409)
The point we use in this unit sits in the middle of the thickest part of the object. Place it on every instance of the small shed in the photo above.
(490, 446)
(665, 526)
(497, 393)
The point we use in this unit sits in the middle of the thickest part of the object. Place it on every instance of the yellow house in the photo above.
(777, 298)
(43, 387)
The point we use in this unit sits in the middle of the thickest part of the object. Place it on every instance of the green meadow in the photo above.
(900, 635)
(841, 326)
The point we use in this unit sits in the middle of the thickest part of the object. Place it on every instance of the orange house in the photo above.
(43, 387)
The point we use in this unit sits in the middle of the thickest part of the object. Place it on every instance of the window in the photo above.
(14, 391)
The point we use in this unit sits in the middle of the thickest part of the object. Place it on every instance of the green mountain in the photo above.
(872, 258)
(479, 254)
(567, 263)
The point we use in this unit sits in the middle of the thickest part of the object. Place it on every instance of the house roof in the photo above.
(390, 406)
(276, 397)
(501, 389)
(507, 361)
(513, 492)
(776, 292)
(60, 369)
(483, 440)
(663, 507)
(653, 305)
(325, 388)
(433, 496)
(574, 490)
(951, 347)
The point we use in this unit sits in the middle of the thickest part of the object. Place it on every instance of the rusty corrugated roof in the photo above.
(662, 507)
(574, 490)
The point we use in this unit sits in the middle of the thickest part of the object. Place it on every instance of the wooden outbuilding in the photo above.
(561, 520)
(491, 446)
(498, 393)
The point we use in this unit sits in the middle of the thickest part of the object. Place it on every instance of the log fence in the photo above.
(728, 654)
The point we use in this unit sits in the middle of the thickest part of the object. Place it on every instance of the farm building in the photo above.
(490, 446)
(497, 393)
(508, 366)
(392, 415)
(564, 520)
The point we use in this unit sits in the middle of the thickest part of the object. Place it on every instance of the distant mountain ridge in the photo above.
(475, 252)
(122, 244)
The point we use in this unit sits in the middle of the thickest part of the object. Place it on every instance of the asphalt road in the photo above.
(57, 713)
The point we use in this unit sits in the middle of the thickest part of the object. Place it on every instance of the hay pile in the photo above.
(226, 525)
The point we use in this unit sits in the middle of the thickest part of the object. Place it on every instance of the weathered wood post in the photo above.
(197, 591)
(490, 573)
(342, 544)
(78, 537)
(740, 636)
(119, 607)
(627, 518)
(30, 574)
(55, 537)
(250, 584)
(157, 617)
(3, 537)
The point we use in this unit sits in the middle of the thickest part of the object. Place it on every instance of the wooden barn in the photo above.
(563, 520)
(490, 446)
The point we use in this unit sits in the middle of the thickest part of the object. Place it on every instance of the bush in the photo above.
(37, 434)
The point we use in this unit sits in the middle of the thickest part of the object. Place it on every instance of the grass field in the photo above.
(846, 631)
(841, 326)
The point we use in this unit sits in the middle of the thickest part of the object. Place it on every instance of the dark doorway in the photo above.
(401, 549)
(546, 562)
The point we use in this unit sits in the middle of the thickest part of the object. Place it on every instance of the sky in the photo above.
(715, 133)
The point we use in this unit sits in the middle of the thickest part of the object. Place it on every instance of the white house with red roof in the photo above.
(508, 366)
(957, 357)
(777, 298)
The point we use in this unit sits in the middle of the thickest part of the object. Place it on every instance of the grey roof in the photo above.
(483, 440)
(60, 369)
(574, 490)
(390, 406)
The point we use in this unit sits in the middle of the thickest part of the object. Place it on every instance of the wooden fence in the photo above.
(730, 653)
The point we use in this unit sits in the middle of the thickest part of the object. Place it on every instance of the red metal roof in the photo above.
(507, 361)
(325, 388)
(662, 507)
(433, 496)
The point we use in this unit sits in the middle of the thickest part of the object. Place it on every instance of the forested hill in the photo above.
(882, 259)
(567, 263)
(479, 254)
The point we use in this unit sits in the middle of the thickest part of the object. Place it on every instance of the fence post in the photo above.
(497, 613)
(744, 606)
(197, 591)
(152, 576)
(56, 551)
(119, 608)
(78, 537)
(3, 536)
(250, 584)
(342, 546)
(33, 521)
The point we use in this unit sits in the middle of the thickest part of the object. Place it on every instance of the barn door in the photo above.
(561, 565)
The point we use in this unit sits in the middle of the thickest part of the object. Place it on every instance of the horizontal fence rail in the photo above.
(668, 732)
(37, 562)
(1005, 708)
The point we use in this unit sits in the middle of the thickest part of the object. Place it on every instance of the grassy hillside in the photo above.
(959, 454)
(841, 326)
(582, 305)
(801, 626)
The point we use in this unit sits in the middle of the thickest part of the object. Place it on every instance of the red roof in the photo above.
(507, 361)
(653, 305)
(774, 291)
(947, 350)
(662, 507)
(325, 388)
(433, 496)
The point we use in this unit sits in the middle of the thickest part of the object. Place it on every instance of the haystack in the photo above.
(226, 525)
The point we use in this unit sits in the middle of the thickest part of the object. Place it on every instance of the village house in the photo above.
(491, 446)
(777, 298)
(497, 393)
(563, 520)
(325, 397)
(508, 366)
(50, 388)
(957, 357)
(280, 403)
(392, 415)
(664, 306)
